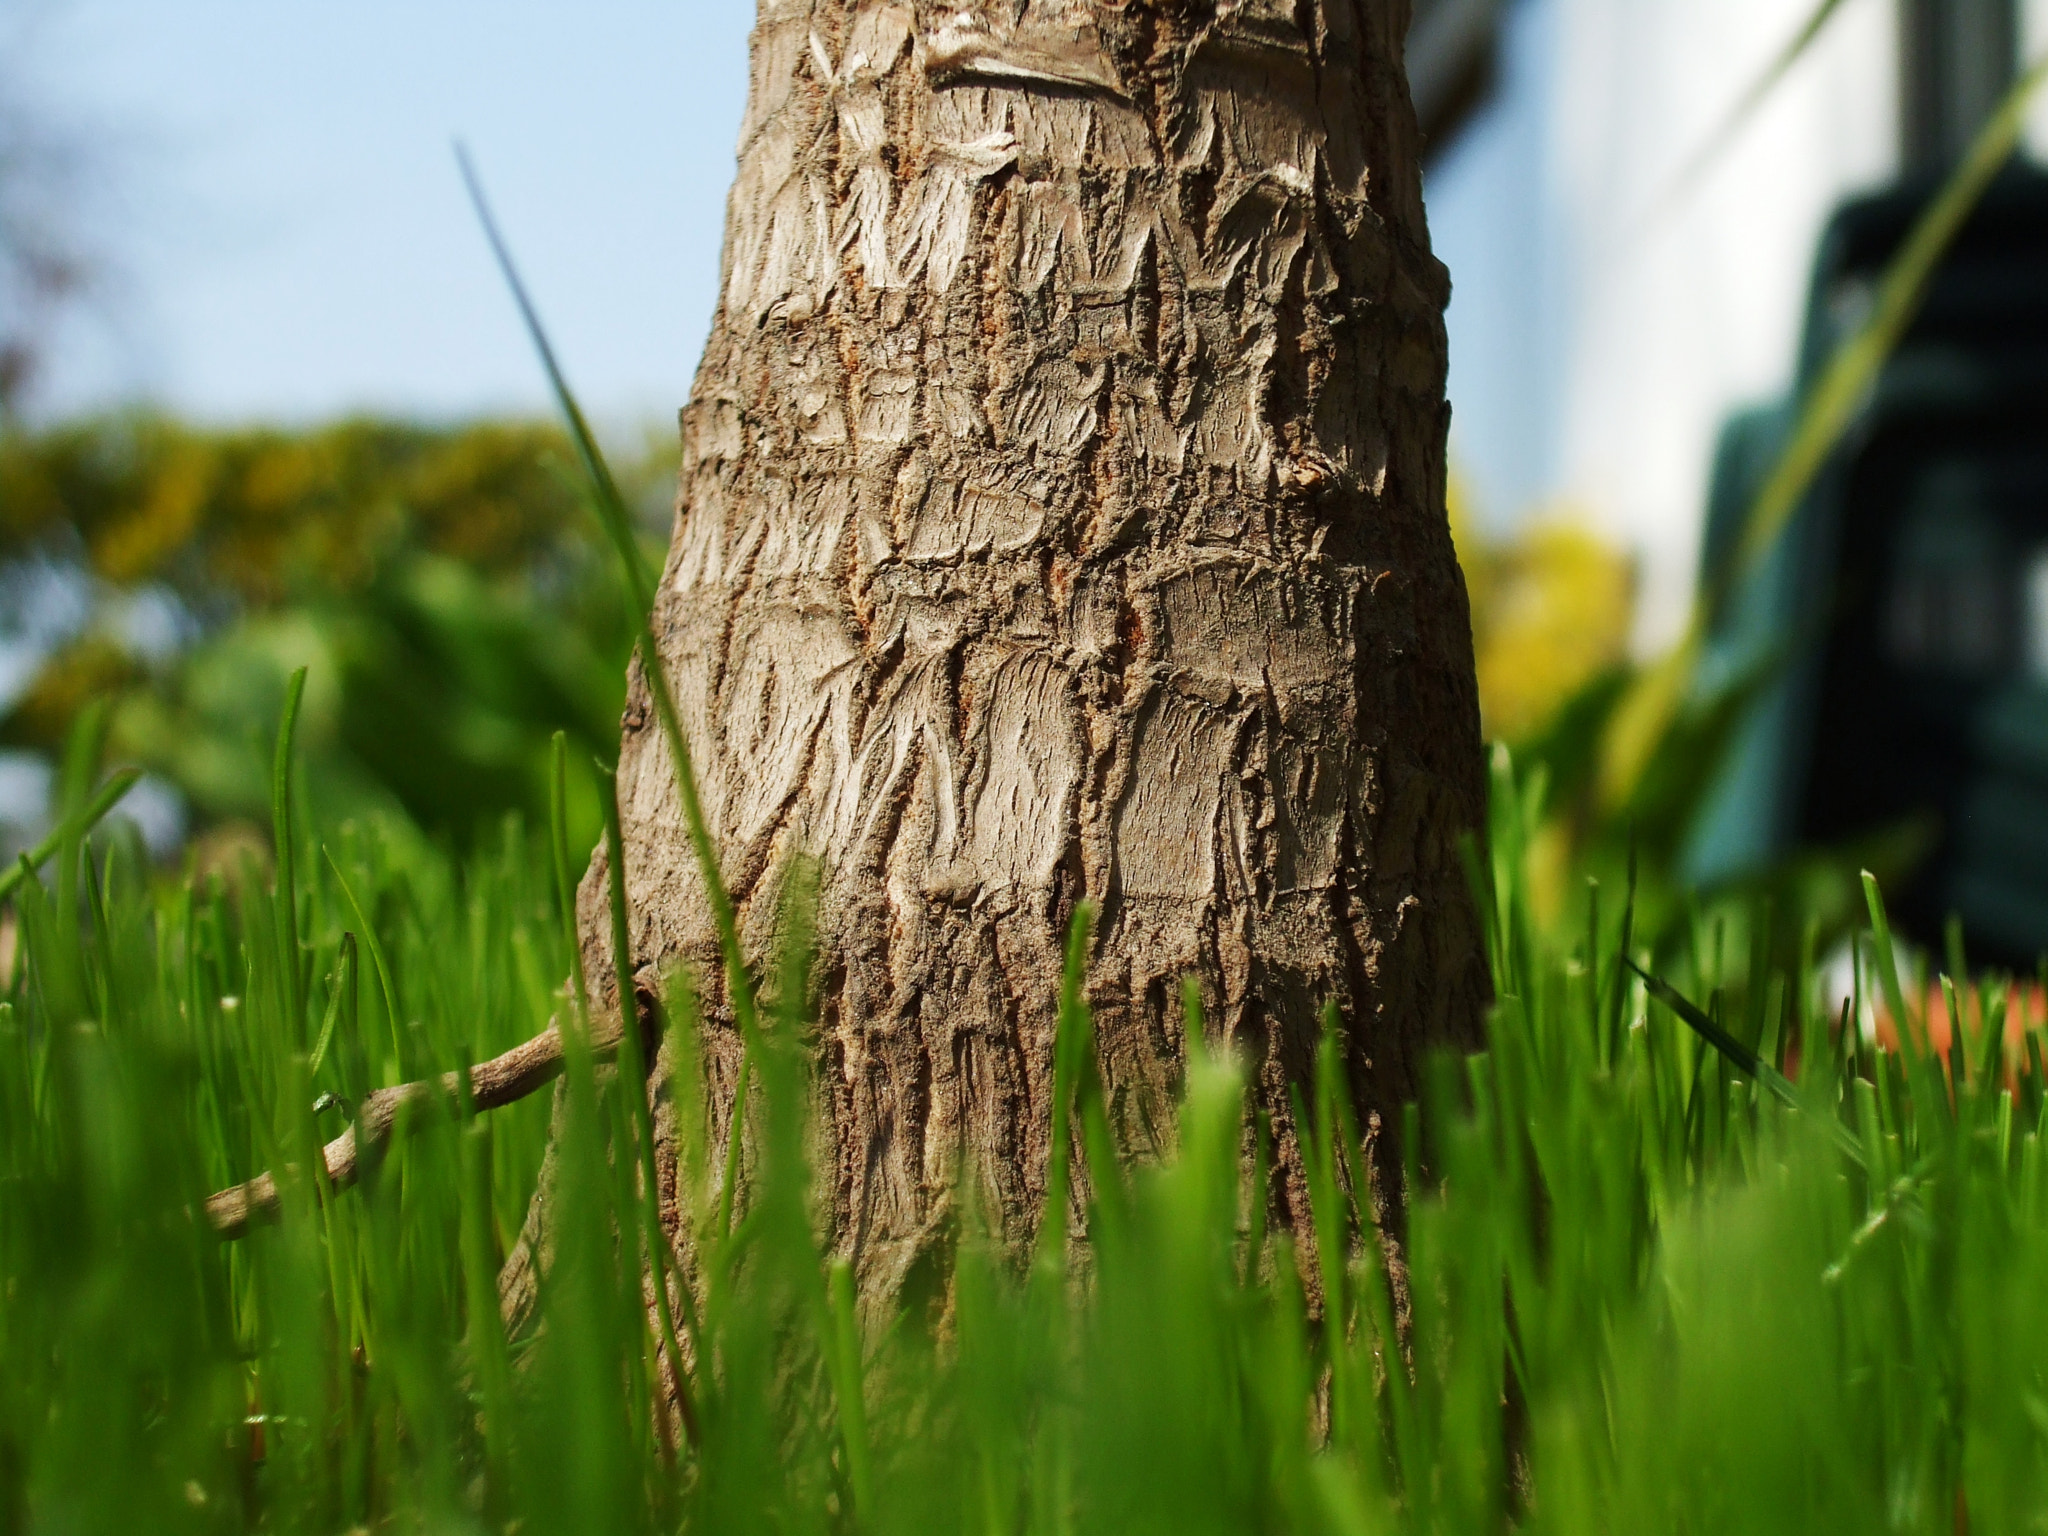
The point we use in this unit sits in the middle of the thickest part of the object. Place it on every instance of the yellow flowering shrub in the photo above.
(444, 583)
(257, 515)
(1551, 609)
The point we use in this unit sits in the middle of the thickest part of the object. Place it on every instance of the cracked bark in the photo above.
(1061, 517)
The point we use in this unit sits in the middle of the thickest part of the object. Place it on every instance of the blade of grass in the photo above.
(611, 506)
(632, 1066)
(1743, 1058)
(1829, 408)
(1992, 1004)
(343, 982)
(565, 888)
(848, 1388)
(1618, 1000)
(734, 1141)
(378, 963)
(73, 827)
(287, 871)
(1958, 1051)
(1886, 958)
(1845, 384)
(486, 1345)
(1740, 111)
(618, 524)
(739, 981)
(1931, 1101)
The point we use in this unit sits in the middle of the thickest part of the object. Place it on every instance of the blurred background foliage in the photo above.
(1552, 606)
(443, 585)
(450, 594)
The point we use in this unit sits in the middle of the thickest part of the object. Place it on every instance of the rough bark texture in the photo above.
(1062, 517)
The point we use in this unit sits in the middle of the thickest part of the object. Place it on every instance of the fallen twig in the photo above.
(492, 1084)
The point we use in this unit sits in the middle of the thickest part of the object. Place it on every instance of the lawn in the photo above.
(1645, 1283)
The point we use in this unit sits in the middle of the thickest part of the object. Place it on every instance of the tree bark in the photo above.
(1062, 517)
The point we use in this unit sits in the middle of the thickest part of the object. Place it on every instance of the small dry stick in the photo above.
(492, 1084)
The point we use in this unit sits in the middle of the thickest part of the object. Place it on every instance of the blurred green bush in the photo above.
(441, 582)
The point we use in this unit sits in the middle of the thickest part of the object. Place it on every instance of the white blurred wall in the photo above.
(1600, 331)
(1682, 310)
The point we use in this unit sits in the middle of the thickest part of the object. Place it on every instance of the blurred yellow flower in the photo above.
(1551, 609)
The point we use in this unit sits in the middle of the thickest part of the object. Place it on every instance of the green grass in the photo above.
(1642, 1293)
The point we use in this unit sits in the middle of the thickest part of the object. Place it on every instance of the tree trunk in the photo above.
(1062, 518)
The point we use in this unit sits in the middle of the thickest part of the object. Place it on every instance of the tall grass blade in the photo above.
(739, 981)
(344, 982)
(1071, 1042)
(1643, 718)
(1739, 113)
(633, 1073)
(850, 1392)
(71, 829)
(401, 1056)
(291, 960)
(1886, 956)
(1834, 402)
(611, 506)
(1743, 1058)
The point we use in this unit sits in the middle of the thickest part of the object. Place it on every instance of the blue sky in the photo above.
(1492, 221)
(289, 237)
(289, 234)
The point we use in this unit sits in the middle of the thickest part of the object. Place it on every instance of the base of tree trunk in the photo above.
(1061, 518)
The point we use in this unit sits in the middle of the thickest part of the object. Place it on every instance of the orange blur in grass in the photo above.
(2026, 1011)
